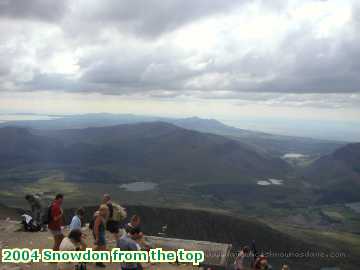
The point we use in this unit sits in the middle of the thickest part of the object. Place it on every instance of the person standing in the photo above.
(76, 221)
(112, 225)
(99, 230)
(56, 220)
(76, 224)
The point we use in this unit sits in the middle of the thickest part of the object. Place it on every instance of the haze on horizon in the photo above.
(288, 67)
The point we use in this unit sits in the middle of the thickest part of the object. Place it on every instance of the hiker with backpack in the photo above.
(116, 214)
(55, 220)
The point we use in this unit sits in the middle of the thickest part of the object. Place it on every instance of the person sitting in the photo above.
(70, 243)
(128, 243)
(134, 223)
(36, 209)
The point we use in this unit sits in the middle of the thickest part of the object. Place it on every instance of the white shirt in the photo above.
(66, 245)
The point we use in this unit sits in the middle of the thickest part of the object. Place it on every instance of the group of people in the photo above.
(107, 218)
(128, 237)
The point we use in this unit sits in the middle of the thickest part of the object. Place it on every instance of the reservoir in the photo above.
(139, 186)
(270, 181)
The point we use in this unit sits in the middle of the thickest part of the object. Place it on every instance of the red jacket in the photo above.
(56, 211)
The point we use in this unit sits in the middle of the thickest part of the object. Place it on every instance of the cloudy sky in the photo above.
(257, 64)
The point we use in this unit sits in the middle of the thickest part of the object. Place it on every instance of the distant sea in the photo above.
(16, 117)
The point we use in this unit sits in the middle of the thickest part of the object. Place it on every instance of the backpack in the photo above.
(119, 212)
(47, 216)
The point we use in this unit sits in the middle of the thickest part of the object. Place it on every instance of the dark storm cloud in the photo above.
(46, 10)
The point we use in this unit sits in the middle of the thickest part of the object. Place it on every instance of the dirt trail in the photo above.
(9, 238)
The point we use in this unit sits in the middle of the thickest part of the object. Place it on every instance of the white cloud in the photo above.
(278, 53)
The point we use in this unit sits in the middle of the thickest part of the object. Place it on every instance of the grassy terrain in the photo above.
(328, 226)
(288, 203)
(52, 182)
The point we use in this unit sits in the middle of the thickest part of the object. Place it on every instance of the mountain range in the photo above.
(190, 150)
(158, 150)
(276, 145)
(338, 173)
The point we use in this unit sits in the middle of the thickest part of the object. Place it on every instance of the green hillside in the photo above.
(157, 151)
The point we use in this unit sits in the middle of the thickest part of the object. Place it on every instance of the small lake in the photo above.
(263, 183)
(354, 206)
(139, 186)
(270, 181)
(293, 155)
